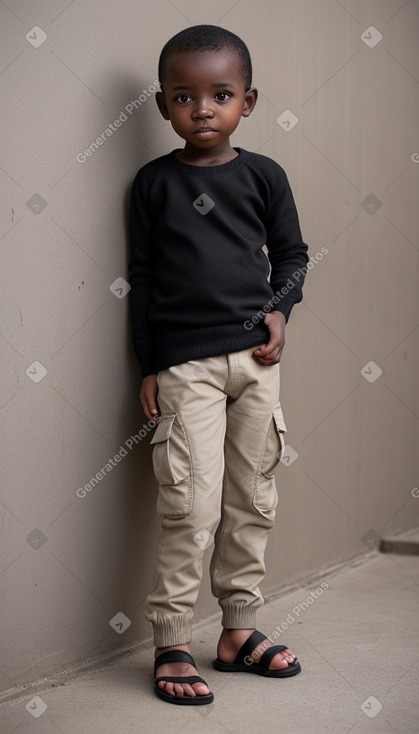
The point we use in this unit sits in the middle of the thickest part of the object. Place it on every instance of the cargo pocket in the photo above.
(172, 468)
(265, 497)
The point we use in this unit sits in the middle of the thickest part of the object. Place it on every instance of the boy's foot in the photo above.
(178, 669)
(231, 641)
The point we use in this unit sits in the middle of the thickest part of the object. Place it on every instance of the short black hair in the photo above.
(207, 38)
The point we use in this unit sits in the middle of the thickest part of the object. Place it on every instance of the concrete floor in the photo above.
(357, 641)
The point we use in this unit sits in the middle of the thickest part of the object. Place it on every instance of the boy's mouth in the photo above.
(205, 130)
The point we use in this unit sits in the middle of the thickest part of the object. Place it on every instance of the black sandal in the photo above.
(180, 656)
(244, 662)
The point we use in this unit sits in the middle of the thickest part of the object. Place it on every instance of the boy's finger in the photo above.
(149, 407)
(147, 412)
(153, 409)
(260, 350)
(268, 362)
(271, 349)
(266, 349)
(272, 357)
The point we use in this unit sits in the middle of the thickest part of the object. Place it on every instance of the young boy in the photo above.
(208, 329)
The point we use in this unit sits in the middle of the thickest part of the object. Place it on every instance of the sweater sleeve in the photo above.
(141, 272)
(287, 251)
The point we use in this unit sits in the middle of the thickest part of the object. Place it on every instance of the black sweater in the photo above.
(199, 276)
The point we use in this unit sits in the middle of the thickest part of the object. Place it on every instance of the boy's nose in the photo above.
(202, 109)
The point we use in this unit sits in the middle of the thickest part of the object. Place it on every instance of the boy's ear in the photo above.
(249, 102)
(161, 104)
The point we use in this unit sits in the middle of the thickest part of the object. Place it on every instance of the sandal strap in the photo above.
(173, 656)
(178, 679)
(247, 648)
(251, 643)
(269, 654)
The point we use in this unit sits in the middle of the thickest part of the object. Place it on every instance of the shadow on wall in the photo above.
(137, 527)
(125, 499)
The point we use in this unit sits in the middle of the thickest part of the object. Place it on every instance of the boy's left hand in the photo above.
(270, 353)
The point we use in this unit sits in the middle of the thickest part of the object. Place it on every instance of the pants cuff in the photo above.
(173, 629)
(238, 615)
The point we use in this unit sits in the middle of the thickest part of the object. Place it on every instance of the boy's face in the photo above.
(204, 96)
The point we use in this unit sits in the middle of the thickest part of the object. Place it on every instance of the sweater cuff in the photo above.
(287, 302)
(145, 359)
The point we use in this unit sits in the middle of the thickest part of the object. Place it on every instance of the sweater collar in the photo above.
(207, 170)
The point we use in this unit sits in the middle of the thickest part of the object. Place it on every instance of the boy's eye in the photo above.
(182, 98)
(222, 96)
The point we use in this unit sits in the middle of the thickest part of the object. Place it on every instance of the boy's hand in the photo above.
(270, 353)
(148, 398)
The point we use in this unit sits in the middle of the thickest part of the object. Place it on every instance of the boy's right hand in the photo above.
(148, 398)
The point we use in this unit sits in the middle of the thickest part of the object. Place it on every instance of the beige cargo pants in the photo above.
(215, 450)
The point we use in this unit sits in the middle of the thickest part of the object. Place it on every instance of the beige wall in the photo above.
(69, 564)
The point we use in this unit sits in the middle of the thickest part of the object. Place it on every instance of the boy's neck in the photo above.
(216, 156)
